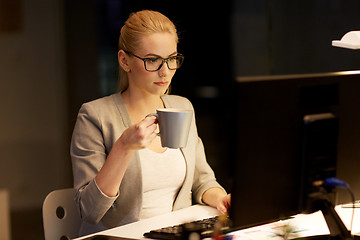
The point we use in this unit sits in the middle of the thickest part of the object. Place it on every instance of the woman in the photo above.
(121, 172)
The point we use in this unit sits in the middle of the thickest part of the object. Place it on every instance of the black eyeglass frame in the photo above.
(163, 60)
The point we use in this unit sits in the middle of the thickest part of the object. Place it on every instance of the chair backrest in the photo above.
(60, 215)
(5, 233)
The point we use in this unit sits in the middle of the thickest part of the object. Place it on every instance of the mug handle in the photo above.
(153, 115)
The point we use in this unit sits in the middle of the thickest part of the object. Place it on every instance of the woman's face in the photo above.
(154, 45)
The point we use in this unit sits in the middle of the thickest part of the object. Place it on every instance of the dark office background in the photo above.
(220, 40)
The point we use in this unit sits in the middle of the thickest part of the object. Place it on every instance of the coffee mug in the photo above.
(174, 124)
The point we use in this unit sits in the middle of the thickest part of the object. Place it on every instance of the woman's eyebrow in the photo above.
(155, 55)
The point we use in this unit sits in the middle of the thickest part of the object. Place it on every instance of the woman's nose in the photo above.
(164, 70)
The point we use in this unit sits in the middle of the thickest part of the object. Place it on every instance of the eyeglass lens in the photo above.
(154, 64)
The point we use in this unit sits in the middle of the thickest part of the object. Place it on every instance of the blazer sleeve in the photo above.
(88, 154)
(204, 176)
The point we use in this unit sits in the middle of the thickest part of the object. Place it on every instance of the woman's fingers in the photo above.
(141, 134)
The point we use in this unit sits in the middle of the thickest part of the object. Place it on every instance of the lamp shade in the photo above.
(349, 40)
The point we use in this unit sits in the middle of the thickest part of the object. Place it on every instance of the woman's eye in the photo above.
(152, 60)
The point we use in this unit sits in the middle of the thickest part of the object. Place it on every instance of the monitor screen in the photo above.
(290, 131)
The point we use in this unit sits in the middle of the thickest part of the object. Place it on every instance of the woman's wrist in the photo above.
(213, 196)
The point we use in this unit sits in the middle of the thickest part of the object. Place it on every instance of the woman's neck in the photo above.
(141, 105)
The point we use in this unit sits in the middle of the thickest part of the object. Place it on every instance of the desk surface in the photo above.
(303, 224)
(137, 229)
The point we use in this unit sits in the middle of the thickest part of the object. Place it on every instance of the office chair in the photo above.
(61, 218)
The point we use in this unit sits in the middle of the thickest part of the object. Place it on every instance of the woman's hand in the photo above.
(139, 135)
(224, 205)
(218, 198)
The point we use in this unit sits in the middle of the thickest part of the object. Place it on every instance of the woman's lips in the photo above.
(162, 84)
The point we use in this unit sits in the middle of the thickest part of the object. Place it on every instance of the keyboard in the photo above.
(204, 227)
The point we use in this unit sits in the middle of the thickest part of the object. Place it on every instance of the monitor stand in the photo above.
(338, 230)
(336, 226)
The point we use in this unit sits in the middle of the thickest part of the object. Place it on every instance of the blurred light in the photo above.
(207, 92)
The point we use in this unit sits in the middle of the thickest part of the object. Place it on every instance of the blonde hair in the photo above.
(138, 25)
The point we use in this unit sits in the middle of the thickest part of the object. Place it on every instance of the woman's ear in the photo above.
(123, 60)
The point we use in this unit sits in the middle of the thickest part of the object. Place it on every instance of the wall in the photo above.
(33, 145)
(274, 37)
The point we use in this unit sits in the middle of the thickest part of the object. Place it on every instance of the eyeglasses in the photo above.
(153, 64)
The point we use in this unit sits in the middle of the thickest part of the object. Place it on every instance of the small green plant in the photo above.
(287, 231)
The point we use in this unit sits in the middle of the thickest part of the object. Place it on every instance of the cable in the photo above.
(353, 208)
(335, 182)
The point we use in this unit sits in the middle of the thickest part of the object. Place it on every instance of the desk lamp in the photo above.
(350, 40)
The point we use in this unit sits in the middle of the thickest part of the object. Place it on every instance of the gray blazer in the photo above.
(99, 124)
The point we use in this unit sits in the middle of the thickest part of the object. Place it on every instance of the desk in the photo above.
(304, 224)
(137, 229)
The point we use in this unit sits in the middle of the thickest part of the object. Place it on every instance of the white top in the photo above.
(163, 175)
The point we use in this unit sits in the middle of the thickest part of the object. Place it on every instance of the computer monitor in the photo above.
(289, 132)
